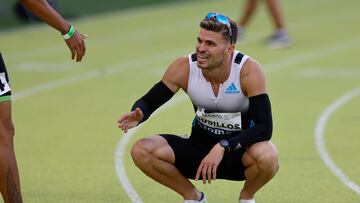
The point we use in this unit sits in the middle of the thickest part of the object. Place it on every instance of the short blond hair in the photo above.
(212, 25)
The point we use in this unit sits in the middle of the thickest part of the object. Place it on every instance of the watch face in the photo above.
(224, 143)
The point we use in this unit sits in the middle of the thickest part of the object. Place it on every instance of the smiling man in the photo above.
(232, 125)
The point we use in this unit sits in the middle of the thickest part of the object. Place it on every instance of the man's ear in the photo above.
(230, 49)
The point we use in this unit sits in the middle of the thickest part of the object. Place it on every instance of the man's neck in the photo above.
(220, 73)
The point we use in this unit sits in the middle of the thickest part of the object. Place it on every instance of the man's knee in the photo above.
(143, 149)
(140, 149)
(265, 155)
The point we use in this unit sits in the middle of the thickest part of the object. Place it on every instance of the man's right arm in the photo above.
(175, 77)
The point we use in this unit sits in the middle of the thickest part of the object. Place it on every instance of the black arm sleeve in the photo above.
(153, 99)
(261, 123)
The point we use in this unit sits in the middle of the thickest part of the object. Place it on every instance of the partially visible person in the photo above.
(280, 38)
(9, 175)
(232, 125)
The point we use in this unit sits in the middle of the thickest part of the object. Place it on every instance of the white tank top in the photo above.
(219, 114)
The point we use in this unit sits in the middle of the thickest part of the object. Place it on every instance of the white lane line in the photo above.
(343, 73)
(319, 138)
(120, 152)
(120, 166)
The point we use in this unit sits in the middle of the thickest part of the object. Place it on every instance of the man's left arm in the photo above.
(254, 86)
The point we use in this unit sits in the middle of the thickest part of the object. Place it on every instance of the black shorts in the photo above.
(5, 90)
(189, 153)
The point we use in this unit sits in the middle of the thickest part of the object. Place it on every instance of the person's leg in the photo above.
(155, 158)
(9, 175)
(276, 14)
(280, 38)
(249, 9)
(261, 160)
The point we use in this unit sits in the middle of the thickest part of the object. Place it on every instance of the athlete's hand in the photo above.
(130, 120)
(209, 164)
(76, 45)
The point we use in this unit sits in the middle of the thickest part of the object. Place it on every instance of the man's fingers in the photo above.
(84, 36)
(72, 52)
(203, 174)
(214, 169)
(122, 125)
(198, 172)
(79, 54)
(84, 47)
(209, 174)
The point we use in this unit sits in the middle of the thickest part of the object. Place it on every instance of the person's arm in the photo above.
(46, 13)
(253, 85)
(175, 77)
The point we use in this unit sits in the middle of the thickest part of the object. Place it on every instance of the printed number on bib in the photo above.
(219, 123)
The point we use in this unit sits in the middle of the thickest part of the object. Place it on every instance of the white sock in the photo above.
(247, 200)
(202, 199)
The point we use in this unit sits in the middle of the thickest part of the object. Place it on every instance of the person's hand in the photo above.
(130, 120)
(76, 45)
(209, 164)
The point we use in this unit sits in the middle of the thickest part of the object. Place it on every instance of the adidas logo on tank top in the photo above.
(231, 89)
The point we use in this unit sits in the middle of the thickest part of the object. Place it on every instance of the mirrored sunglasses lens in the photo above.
(222, 19)
(210, 15)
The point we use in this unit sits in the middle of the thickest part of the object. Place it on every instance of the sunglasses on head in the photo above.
(221, 19)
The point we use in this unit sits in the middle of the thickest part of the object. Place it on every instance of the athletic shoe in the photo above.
(279, 40)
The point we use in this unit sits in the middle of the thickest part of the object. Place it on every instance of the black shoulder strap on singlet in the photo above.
(193, 57)
(238, 58)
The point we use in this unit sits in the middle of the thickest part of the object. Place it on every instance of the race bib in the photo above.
(4, 86)
(219, 123)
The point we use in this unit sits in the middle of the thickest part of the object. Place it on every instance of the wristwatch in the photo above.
(225, 143)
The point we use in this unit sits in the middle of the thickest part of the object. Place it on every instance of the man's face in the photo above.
(211, 49)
